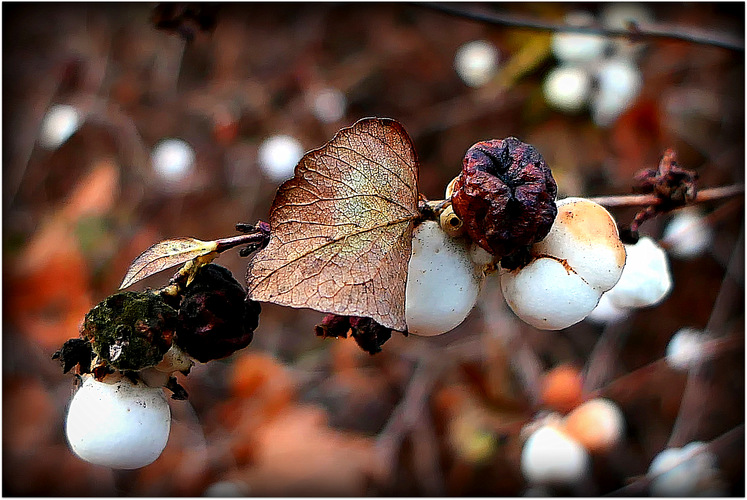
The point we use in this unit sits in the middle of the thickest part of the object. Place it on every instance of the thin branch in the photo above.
(634, 32)
(645, 200)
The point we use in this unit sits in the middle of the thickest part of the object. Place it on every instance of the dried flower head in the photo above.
(505, 195)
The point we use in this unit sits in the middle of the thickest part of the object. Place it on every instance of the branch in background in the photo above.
(644, 200)
(634, 32)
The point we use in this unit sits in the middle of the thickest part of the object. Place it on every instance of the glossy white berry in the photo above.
(567, 88)
(685, 349)
(597, 424)
(581, 258)
(619, 83)
(585, 235)
(173, 159)
(688, 234)
(675, 475)
(549, 456)
(476, 62)
(547, 295)
(60, 122)
(278, 156)
(646, 279)
(578, 47)
(118, 424)
(442, 281)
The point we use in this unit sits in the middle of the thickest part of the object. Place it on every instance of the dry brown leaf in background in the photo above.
(342, 227)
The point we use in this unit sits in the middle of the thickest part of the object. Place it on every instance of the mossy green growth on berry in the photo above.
(131, 330)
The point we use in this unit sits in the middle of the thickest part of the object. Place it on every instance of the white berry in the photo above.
(328, 105)
(442, 281)
(567, 88)
(646, 279)
(550, 456)
(685, 349)
(118, 424)
(688, 234)
(607, 312)
(578, 47)
(173, 159)
(60, 122)
(585, 235)
(547, 295)
(278, 156)
(476, 62)
(619, 82)
(579, 259)
(673, 475)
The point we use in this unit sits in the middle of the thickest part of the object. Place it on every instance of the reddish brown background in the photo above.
(293, 414)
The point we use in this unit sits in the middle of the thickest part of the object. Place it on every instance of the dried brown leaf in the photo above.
(341, 228)
(166, 254)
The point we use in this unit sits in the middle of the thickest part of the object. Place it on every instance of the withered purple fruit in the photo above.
(215, 319)
(505, 195)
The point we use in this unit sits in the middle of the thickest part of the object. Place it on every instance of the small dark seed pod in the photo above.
(131, 330)
(215, 320)
(505, 195)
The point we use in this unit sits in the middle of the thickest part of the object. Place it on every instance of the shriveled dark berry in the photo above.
(505, 195)
(131, 330)
(215, 319)
(368, 334)
(333, 326)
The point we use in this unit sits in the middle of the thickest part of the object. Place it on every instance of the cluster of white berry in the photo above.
(579, 262)
(596, 71)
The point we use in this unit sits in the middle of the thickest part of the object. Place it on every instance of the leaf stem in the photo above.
(644, 200)
(258, 236)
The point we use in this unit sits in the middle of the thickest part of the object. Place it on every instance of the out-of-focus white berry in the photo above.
(118, 424)
(598, 425)
(578, 47)
(607, 312)
(328, 105)
(618, 16)
(476, 62)
(227, 488)
(442, 281)
(278, 156)
(685, 349)
(567, 88)
(60, 122)
(173, 159)
(687, 234)
(620, 82)
(580, 258)
(551, 457)
(680, 477)
(646, 279)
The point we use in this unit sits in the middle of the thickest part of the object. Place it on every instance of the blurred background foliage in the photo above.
(91, 90)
